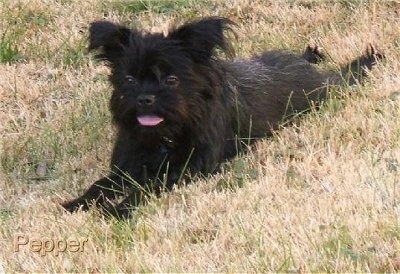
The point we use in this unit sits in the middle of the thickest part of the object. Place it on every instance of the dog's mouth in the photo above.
(149, 120)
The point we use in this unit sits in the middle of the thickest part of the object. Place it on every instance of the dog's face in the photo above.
(162, 84)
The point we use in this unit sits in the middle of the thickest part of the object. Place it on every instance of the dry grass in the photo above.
(320, 196)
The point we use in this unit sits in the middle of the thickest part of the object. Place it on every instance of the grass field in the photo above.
(320, 196)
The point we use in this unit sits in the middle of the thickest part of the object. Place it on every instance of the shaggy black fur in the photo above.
(180, 109)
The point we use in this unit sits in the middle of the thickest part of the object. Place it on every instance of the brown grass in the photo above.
(322, 195)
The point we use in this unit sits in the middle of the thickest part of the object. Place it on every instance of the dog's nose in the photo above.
(145, 100)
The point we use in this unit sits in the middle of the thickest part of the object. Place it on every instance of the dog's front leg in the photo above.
(139, 196)
(97, 194)
(202, 162)
(124, 209)
(204, 159)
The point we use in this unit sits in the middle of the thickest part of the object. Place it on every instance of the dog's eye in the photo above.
(171, 81)
(130, 80)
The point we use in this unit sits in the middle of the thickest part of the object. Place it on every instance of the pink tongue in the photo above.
(149, 120)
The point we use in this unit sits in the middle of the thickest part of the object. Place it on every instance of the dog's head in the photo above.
(162, 83)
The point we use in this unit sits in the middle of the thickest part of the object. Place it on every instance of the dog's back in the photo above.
(271, 88)
(276, 85)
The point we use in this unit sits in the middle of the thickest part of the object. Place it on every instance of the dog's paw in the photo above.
(75, 205)
(370, 57)
(120, 212)
(314, 54)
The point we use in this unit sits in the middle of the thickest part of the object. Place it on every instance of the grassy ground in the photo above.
(323, 195)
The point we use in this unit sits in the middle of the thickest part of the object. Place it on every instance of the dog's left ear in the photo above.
(200, 38)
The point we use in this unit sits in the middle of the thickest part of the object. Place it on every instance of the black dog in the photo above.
(181, 110)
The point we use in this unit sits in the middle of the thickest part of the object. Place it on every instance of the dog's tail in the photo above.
(357, 70)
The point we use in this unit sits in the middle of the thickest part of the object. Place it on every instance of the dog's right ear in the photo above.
(109, 38)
